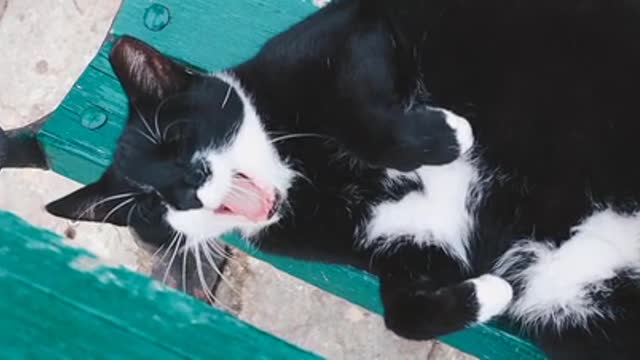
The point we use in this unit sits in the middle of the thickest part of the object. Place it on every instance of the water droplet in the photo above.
(93, 119)
(157, 17)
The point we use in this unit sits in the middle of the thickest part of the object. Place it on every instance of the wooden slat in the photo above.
(213, 35)
(59, 302)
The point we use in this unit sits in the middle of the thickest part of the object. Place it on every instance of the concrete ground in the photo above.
(46, 44)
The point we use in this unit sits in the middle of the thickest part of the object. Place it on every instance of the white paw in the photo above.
(464, 134)
(493, 295)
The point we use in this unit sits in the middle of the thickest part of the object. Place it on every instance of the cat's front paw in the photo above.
(493, 295)
(427, 137)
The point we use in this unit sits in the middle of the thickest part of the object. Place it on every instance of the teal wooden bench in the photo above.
(61, 303)
(79, 139)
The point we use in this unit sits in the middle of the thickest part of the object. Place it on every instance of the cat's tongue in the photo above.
(249, 200)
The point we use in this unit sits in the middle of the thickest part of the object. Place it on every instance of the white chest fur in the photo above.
(441, 215)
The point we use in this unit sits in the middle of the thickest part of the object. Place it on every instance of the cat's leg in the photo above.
(19, 148)
(383, 130)
(420, 310)
(425, 293)
(580, 299)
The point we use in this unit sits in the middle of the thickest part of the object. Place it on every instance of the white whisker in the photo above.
(156, 114)
(155, 253)
(166, 252)
(215, 247)
(272, 133)
(130, 214)
(173, 258)
(303, 176)
(151, 139)
(185, 253)
(226, 97)
(212, 262)
(168, 127)
(146, 124)
(105, 200)
(205, 288)
(299, 136)
(116, 208)
(157, 123)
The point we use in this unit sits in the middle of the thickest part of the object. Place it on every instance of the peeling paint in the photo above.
(86, 264)
(108, 277)
(37, 245)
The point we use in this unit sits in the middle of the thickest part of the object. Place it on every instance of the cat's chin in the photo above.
(250, 232)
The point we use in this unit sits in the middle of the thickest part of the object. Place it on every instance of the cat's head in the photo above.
(194, 157)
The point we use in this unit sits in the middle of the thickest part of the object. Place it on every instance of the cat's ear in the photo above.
(145, 73)
(108, 201)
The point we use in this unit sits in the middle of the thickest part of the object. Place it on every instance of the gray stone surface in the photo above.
(46, 44)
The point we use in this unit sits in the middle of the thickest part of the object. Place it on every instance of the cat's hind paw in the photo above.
(493, 295)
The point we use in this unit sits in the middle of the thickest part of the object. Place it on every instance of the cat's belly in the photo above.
(440, 215)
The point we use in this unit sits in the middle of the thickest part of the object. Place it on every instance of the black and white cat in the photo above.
(348, 139)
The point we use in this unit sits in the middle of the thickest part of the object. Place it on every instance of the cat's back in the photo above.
(549, 87)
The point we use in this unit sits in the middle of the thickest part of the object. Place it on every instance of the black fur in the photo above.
(19, 147)
(549, 87)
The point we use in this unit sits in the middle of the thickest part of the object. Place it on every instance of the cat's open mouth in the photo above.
(246, 198)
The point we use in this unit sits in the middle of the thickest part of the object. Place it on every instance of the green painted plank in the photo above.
(213, 35)
(60, 302)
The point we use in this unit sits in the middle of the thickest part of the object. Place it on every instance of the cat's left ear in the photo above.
(109, 200)
(145, 73)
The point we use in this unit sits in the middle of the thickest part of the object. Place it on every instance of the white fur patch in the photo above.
(493, 295)
(561, 279)
(251, 153)
(438, 216)
(464, 134)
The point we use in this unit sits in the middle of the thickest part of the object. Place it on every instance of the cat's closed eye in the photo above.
(173, 145)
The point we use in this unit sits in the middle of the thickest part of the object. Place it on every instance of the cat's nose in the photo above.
(182, 198)
(188, 200)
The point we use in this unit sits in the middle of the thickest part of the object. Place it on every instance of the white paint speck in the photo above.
(321, 3)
